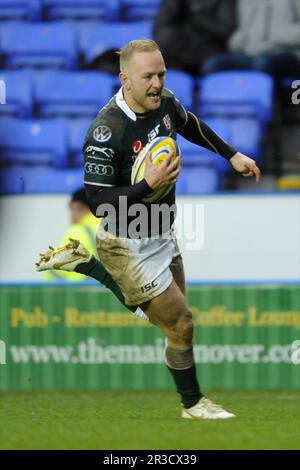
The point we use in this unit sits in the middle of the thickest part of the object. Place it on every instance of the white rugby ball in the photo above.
(160, 148)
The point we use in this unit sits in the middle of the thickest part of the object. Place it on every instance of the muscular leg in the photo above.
(170, 313)
(95, 269)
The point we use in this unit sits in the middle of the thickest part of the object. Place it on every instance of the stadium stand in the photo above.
(181, 185)
(39, 45)
(113, 36)
(247, 136)
(33, 141)
(12, 180)
(237, 93)
(193, 155)
(77, 94)
(182, 84)
(55, 181)
(24, 180)
(77, 129)
(133, 10)
(62, 100)
(108, 10)
(84, 29)
(20, 9)
(203, 179)
(243, 100)
(19, 94)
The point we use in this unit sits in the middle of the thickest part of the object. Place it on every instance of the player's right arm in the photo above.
(102, 163)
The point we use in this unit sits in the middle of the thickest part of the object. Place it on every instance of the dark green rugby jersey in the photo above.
(117, 135)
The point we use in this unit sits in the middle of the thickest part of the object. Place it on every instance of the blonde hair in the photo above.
(138, 45)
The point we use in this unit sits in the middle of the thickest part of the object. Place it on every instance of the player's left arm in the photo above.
(198, 132)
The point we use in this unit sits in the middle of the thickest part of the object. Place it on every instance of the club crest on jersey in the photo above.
(102, 134)
(167, 122)
(137, 146)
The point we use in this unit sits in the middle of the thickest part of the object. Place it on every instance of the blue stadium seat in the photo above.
(77, 131)
(113, 36)
(181, 185)
(133, 10)
(20, 9)
(39, 45)
(19, 94)
(237, 93)
(35, 142)
(194, 155)
(246, 136)
(84, 29)
(182, 85)
(53, 181)
(12, 180)
(108, 10)
(202, 179)
(6, 28)
(77, 94)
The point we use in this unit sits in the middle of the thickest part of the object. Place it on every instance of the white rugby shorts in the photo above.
(141, 267)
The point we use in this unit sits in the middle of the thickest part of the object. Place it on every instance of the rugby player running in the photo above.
(145, 272)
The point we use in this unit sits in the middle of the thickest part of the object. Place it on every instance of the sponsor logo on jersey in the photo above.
(98, 169)
(137, 146)
(106, 152)
(154, 133)
(102, 134)
(167, 122)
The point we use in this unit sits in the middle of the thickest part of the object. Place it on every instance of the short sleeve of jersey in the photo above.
(100, 156)
(181, 115)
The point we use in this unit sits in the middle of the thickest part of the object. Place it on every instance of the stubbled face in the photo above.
(78, 211)
(143, 81)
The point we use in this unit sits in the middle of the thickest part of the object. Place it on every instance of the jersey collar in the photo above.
(124, 106)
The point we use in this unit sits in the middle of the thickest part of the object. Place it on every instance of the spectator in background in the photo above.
(267, 39)
(191, 31)
(83, 228)
(107, 62)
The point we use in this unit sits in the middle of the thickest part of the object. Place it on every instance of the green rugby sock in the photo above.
(96, 270)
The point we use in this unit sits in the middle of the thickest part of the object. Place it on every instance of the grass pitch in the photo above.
(146, 420)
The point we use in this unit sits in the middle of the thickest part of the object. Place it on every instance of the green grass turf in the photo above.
(146, 420)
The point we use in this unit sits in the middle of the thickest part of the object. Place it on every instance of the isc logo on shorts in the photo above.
(148, 287)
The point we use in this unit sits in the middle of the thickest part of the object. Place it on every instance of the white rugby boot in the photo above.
(206, 409)
(64, 258)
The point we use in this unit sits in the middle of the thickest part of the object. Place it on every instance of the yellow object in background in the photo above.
(289, 182)
(83, 228)
(85, 231)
